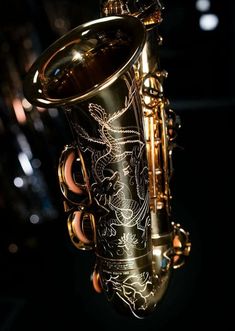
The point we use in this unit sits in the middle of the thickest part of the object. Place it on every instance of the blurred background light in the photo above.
(208, 22)
(203, 5)
(18, 182)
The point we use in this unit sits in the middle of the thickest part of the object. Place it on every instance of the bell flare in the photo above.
(84, 61)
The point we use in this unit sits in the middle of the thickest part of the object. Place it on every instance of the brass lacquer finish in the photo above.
(114, 177)
(170, 243)
(104, 174)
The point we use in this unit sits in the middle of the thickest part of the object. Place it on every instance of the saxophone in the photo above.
(115, 176)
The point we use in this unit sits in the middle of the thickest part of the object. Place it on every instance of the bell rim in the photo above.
(33, 87)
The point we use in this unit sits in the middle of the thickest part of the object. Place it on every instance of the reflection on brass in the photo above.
(115, 177)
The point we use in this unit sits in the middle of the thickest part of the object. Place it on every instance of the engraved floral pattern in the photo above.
(127, 242)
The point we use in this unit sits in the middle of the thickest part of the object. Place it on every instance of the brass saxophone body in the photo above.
(115, 175)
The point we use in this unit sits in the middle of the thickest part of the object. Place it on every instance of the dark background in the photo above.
(44, 280)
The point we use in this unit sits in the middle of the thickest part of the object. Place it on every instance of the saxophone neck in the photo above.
(148, 11)
(114, 7)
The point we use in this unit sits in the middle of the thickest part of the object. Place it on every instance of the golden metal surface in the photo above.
(115, 177)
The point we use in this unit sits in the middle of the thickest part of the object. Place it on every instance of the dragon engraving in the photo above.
(119, 173)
